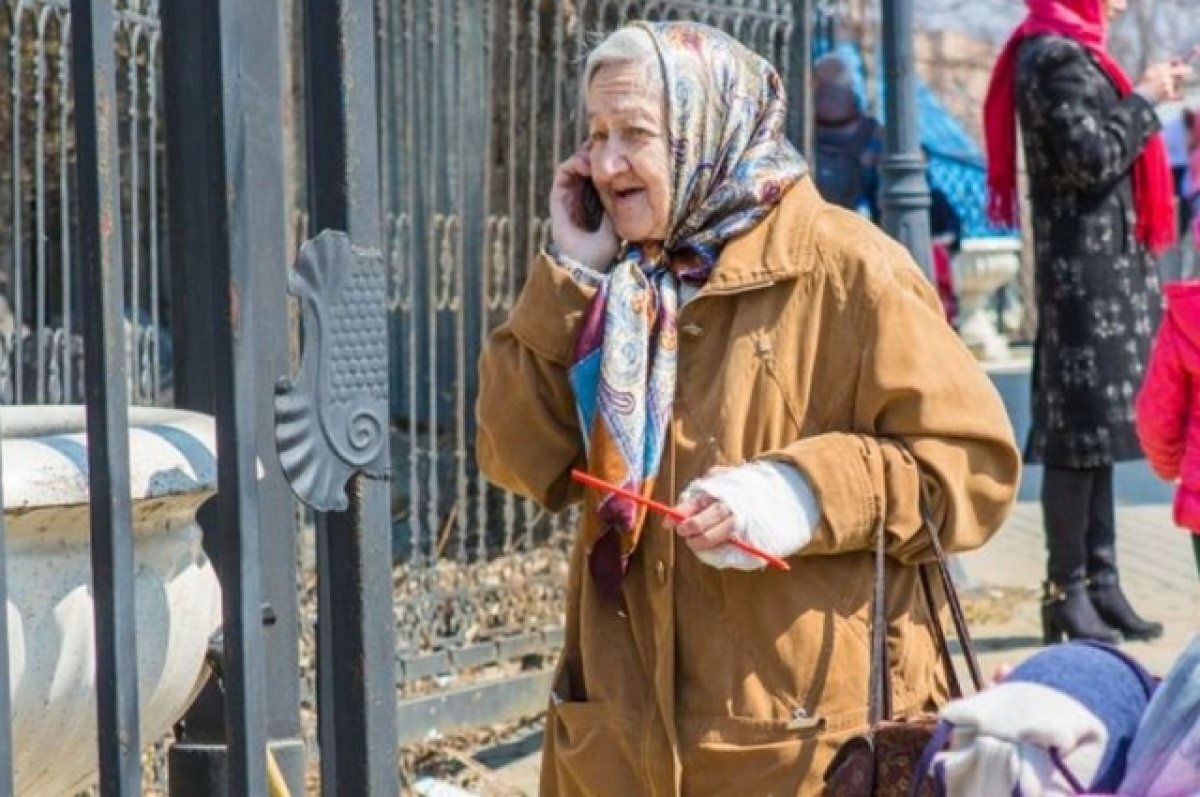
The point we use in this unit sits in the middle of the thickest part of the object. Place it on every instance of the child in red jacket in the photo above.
(1168, 406)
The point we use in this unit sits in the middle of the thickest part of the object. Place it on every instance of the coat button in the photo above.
(661, 569)
(692, 330)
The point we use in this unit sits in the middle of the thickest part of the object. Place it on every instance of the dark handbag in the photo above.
(884, 761)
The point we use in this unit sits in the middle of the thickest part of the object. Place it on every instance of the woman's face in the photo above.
(629, 153)
(1114, 8)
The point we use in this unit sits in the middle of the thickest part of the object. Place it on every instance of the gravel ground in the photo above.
(499, 609)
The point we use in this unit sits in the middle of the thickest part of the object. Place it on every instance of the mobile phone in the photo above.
(590, 206)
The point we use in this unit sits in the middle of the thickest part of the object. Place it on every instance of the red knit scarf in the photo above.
(1083, 21)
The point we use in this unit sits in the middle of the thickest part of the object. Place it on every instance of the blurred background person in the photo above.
(945, 227)
(848, 141)
(1103, 206)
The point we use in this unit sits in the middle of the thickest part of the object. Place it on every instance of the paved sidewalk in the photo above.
(1157, 566)
(1158, 571)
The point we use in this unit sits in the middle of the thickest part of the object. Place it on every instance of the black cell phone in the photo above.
(590, 206)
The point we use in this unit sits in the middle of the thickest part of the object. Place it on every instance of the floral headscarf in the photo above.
(730, 165)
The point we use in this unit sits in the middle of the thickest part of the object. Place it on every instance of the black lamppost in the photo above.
(800, 99)
(904, 192)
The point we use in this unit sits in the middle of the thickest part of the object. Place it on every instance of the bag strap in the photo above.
(880, 694)
(957, 616)
(879, 704)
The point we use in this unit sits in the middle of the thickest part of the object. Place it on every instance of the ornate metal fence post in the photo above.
(203, 172)
(232, 222)
(333, 420)
(905, 191)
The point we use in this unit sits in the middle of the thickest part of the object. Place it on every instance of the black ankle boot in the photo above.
(1067, 612)
(1113, 608)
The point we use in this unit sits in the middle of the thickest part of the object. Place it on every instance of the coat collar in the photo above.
(780, 247)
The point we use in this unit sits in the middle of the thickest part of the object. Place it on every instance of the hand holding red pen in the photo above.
(700, 531)
(709, 524)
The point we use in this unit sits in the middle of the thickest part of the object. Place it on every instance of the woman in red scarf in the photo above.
(1102, 206)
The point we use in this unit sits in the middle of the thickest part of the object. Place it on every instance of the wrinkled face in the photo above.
(1114, 8)
(629, 153)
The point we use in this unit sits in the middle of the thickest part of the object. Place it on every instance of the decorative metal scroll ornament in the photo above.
(331, 420)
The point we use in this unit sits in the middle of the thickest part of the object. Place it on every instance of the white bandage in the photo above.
(773, 509)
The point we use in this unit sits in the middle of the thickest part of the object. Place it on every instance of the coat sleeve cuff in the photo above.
(1143, 109)
(844, 472)
(549, 309)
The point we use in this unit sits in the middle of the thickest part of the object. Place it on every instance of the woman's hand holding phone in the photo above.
(578, 224)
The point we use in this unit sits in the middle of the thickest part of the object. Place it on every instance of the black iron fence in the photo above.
(112, 286)
(41, 342)
(145, 194)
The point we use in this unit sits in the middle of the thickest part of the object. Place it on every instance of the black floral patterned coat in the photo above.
(1098, 296)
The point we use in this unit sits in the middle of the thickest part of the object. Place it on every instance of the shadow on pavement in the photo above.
(501, 755)
(995, 644)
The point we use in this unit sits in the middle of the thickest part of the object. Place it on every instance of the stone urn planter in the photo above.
(51, 637)
(983, 265)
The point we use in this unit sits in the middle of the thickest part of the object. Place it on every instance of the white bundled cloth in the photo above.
(773, 507)
(1003, 737)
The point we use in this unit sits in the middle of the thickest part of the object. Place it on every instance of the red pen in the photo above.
(678, 517)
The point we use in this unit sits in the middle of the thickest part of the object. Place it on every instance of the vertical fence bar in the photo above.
(514, 255)
(94, 65)
(268, 255)
(206, 167)
(41, 336)
(64, 182)
(191, 157)
(133, 245)
(800, 56)
(152, 156)
(214, 303)
(16, 285)
(354, 546)
(234, 300)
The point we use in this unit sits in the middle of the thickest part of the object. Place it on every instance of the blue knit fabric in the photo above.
(1104, 680)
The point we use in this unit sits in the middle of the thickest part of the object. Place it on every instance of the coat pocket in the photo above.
(592, 749)
(739, 756)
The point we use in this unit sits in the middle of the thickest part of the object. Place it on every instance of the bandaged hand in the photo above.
(767, 504)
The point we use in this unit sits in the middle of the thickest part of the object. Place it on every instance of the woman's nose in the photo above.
(608, 161)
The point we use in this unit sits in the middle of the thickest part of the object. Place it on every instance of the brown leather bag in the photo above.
(883, 762)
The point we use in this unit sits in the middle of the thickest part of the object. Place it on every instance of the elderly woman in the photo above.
(720, 338)
(1102, 203)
